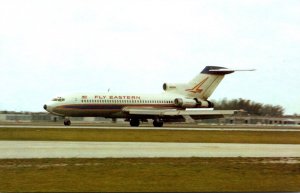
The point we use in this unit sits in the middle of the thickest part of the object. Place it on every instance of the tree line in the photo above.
(251, 107)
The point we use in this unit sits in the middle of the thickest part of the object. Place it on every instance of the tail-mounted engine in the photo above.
(193, 103)
(169, 87)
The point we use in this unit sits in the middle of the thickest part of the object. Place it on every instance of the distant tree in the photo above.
(251, 107)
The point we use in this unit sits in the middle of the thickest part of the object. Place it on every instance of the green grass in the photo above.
(136, 135)
(151, 174)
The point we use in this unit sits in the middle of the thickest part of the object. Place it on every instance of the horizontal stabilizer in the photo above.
(230, 70)
(221, 70)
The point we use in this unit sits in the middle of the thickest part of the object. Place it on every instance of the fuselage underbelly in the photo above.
(103, 110)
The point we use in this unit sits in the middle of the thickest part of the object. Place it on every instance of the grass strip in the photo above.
(150, 175)
(136, 135)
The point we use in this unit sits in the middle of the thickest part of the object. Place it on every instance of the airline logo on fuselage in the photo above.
(114, 97)
(197, 89)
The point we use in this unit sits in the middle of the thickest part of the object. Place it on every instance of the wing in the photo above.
(194, 113)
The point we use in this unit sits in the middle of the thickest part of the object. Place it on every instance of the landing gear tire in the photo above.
(158, 123)
(134, 122)
(67, 122)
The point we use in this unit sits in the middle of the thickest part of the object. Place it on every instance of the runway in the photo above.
(59, 149)
(253, 128)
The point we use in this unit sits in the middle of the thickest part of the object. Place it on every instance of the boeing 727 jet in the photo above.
(177, 102)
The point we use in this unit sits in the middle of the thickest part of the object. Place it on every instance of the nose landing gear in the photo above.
(67, 122)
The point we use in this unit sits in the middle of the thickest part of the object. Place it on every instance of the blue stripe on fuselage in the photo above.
(93, 106)
(113, 106)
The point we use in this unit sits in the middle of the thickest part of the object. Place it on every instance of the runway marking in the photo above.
(60, 149)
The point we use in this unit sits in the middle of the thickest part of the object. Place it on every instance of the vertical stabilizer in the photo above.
(203, 85)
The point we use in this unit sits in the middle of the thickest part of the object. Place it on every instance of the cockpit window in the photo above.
(59, 99)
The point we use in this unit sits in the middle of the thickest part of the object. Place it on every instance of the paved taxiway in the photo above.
(59, 149)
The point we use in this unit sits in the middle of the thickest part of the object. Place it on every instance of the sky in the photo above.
(50, 48)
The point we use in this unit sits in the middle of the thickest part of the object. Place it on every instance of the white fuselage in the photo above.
(108, 104)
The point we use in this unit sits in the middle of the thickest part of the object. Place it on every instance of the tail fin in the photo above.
(203, 85)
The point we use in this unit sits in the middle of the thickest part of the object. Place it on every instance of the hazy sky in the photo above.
(49, 48)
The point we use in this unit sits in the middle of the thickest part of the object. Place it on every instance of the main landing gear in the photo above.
(156, 122)
(67, 122)
(134, 122)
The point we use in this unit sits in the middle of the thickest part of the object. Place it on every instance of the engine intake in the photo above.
(168, 87)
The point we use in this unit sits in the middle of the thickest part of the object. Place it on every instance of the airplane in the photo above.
(177, 103)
